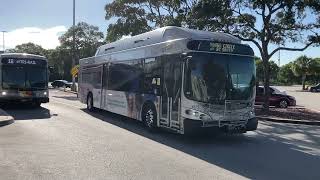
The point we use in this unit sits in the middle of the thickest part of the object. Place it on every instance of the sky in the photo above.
(43, 21)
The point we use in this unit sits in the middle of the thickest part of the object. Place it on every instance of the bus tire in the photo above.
(90, 102)
(149, 116)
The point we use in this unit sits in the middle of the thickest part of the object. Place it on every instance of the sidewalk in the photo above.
(5, 118)
(291, 121)
(293, 115)
(68, 90)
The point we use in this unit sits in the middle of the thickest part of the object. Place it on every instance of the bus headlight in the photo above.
(193, 114)
(45, 93)
(4, 93)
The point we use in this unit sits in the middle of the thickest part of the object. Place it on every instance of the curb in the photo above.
(290, 121)
(7, 120)
(72, 92)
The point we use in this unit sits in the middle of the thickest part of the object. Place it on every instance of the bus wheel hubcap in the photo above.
(149, 117)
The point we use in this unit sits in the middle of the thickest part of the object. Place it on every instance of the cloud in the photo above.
(47, 38)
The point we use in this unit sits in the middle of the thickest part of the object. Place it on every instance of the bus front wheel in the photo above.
(149, 117)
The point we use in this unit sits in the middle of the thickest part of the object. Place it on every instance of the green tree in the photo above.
(138, 16)
(87, 39)
(210, 15)
(286, 75)
(304, 66)
(263, 23)
(59, 61)
(274, 70)
(29, 48)
(316, 77)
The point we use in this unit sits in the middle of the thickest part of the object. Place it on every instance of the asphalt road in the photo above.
(63, 141)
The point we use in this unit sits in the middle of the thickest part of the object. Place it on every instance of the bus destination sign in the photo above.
(19, 61)
(220, 47)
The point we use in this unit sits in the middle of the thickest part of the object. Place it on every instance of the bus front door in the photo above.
(104, 87)
(170, 99)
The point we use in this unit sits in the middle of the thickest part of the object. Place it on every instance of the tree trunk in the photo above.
(266, 84)
(304, 81)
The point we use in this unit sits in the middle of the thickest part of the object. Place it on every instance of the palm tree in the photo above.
(304, 66)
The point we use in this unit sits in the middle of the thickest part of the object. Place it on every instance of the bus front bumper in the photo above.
(194, 126)
(15, 96)
(24, 99)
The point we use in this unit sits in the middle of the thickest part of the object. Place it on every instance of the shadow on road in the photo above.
(264, 154)
(27, 112)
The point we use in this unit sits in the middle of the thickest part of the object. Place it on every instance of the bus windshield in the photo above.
(24, 77)
(214, 78)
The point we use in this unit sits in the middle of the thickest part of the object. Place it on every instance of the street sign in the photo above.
(75, 71)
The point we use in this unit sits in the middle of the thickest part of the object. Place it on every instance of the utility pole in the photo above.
(3, 41)
(279, 58)
(73, 88)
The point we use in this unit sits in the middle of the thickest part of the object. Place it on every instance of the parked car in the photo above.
(315, 88)
(61, 83)
(277, 98)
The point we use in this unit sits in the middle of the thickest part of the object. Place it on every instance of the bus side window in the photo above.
(105, 77)
(97, 79)
(152, 81)
(152, 85)
(114, 78)
(85, 77)
(123, 77)
(93, 78)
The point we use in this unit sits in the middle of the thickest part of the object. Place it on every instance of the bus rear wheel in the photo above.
(149, 117)
(90, 103)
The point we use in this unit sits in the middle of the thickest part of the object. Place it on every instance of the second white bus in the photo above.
(175, 78)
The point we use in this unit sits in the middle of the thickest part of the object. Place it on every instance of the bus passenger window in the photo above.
(97, 79)
(152, 85)
(86, 77)
(125, 78)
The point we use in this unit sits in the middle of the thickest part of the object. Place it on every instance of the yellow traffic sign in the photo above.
(75, 70)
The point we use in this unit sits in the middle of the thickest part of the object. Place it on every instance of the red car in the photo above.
(277, 98)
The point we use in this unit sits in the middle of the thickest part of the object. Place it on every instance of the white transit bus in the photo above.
(175, 78)
(23, 78)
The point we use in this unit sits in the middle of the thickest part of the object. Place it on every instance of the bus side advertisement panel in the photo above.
(128, 104)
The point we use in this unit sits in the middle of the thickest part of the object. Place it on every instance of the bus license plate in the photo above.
(25, 93)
